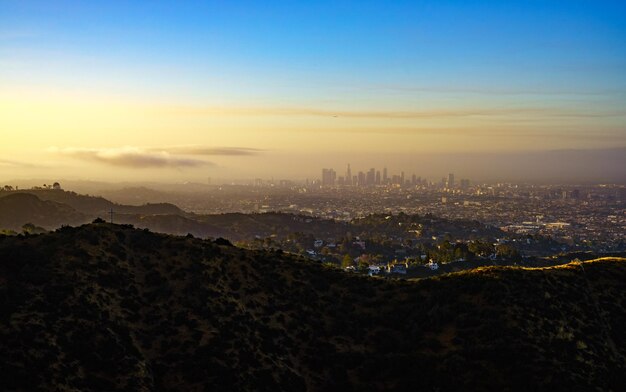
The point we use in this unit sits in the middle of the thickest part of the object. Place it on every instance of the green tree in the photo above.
(507, 251)
(30, 228)
(347, 261)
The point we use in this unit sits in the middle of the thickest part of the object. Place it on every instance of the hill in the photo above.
(16, 209)
(170, 219)
(108, 307)
(96, 205)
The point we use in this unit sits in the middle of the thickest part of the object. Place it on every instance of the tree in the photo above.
(347, 261)
(30, 228)
(507, 251)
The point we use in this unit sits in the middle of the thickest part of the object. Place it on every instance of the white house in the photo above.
(432, 265)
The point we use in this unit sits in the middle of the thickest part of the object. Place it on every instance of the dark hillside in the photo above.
(107, 307)
(16, 209)
(95, 205)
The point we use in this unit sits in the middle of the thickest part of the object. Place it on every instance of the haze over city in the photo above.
(170, 92)
(423, 195)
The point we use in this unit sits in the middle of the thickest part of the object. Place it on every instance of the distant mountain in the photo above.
(108, 307)
(170, 219)
(16, 209)
(83, 203)
(136, 195)
(96, 205)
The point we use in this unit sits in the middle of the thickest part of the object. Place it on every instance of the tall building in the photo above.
(385, 178)
(348, 176)
(361, 180)
(451, 180)
(371, 176)
(377, 177)
(328, 177)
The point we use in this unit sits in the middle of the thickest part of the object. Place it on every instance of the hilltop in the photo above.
(109, 307)
(95, 205)
(16, 209)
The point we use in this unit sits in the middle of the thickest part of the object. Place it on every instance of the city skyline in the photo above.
(375, 177)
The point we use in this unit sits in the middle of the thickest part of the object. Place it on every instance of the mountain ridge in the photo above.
(109, 307)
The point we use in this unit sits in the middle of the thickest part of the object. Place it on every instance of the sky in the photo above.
(182, 91)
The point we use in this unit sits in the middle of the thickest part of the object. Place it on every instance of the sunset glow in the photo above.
(358, 82)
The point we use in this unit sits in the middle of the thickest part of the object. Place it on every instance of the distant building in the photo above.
(451, 180)
(397, 269)
(373, 270)
(432, 265)
(328, 177)
(371, 177)
(361, 180)
(56, 186)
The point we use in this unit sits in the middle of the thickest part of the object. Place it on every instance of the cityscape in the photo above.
(373, 177)
(312, 196)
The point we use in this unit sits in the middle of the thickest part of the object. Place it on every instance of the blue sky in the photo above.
(544, 46)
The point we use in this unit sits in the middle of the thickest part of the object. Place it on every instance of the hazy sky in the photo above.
(184, 91)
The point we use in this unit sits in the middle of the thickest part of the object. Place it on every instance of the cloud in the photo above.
(17, 164)
(132, 157)
(523, 112)
(204, 150)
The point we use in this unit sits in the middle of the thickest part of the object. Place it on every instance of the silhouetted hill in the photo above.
(135, 195)
(16, 209)
(107, 307)
(95, 205)
(170, 219)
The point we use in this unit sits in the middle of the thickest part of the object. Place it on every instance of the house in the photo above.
(398, 269)
(432, 265)
(373, 270)
(360, 243)
(318, 243)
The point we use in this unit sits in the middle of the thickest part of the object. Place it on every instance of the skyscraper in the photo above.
(328, 177)
(371, 176)
(348, 176)
(385, 178)
(361, 179)
(451, 180)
